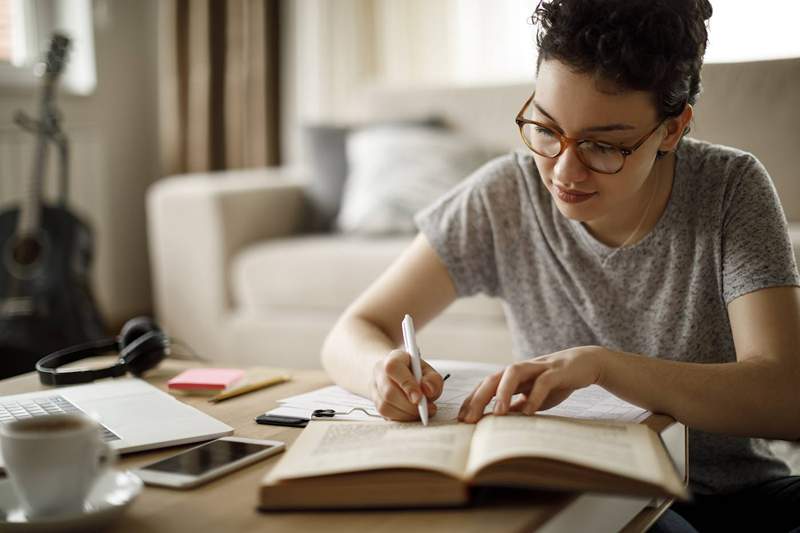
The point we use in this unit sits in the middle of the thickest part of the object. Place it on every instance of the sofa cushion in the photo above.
(325, 273)
(327, 154)
(294, 338)
(755, 106)
(395, 172)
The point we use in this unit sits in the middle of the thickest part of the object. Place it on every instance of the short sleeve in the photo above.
(756, 247)
(463, 226)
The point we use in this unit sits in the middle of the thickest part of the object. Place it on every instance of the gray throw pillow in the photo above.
(395, 172)
(326, 149)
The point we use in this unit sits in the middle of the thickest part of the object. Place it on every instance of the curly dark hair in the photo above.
(649, 45)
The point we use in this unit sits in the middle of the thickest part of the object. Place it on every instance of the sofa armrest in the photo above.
(196, 224)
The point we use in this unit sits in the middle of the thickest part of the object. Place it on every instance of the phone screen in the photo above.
(198, 461)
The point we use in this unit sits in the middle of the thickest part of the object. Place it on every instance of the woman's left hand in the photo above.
(544, 381)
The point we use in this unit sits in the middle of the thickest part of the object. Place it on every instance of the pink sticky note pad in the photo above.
(205, 378)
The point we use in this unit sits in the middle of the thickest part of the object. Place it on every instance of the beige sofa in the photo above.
(235, 279)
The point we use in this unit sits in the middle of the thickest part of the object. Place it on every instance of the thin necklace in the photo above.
(641, 221)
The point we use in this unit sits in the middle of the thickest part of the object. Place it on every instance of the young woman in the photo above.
(654, 265)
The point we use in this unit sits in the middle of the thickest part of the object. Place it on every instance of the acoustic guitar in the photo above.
(45, 298)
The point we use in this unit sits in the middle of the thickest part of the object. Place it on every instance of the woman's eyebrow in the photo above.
(593, 129)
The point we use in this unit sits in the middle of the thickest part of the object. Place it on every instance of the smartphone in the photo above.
(208, 461)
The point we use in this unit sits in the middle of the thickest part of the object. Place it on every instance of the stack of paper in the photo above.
(592, 402)
(332, 397)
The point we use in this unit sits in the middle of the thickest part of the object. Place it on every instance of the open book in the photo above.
(384, 464)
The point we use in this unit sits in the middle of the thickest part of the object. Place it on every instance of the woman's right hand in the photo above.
(395, 391)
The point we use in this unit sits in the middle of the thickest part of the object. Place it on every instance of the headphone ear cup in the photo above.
(148, 354)
(142, 345)
(135, 328)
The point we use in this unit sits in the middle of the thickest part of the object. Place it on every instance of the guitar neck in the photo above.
(47, 126)
(31, 205)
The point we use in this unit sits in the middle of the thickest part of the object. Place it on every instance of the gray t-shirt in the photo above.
(723, 234)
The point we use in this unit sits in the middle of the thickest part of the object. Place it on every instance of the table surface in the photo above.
(230, 503)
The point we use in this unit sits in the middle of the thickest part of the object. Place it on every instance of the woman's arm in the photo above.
(757, 396)
(355, 352)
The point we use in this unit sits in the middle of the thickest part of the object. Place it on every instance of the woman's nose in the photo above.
(568, 168)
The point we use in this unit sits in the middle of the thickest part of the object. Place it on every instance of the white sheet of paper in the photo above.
(592, 403)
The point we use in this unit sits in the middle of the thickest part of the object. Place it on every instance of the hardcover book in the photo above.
(386, 464)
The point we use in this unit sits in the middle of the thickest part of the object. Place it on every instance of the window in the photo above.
(474, 42)
(466, 42)
(5, 31)
(25, 29)
(743, 30)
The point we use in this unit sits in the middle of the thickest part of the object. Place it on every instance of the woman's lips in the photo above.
(572, 196)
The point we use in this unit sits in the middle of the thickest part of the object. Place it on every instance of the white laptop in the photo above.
(134, 414)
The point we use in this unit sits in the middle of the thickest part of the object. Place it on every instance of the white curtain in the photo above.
(465, 42)
(333, 49)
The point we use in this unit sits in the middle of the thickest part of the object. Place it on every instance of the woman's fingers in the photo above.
(432, 383)
(547, 382)
(518, 404)
(544, 382)
(473, 407)
(392, 403)
(462, 411)
(502, 386)
(398, 368)
(516, 378)
(397, 393)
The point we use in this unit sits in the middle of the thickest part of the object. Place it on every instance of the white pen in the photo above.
(410, 340)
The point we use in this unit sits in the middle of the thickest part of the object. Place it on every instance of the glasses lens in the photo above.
(601, 157)
(597, 156)
(541, 140)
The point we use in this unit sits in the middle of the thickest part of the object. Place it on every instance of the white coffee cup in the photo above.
(53, 461)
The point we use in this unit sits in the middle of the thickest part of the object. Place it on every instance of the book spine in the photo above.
(675, 438)
(675, 441)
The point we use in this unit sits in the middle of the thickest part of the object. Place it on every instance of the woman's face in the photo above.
(573, 105)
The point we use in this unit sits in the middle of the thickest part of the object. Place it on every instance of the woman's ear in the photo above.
(675, 128)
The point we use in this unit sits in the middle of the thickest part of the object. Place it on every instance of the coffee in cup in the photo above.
(53, 461)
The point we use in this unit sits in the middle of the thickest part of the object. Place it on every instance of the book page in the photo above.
(593, 402)
(596, 403)
(464, 377)
(624, 449)
(332, 447)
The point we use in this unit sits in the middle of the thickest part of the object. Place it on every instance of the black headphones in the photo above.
(141, 345)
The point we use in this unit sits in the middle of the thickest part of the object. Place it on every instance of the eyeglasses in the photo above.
(601, 157)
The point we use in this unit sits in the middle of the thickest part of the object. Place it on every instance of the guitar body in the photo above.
(45, 300)
(45, 251)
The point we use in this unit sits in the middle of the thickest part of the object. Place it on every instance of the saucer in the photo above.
(112, 493)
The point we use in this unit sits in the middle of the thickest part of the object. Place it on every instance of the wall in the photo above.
(115, 151)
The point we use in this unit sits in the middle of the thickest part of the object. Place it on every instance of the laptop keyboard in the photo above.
(50, 405)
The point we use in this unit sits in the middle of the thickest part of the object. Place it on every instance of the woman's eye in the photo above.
(543, 131)
(601, 148)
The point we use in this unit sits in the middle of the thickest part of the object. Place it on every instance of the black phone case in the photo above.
(278, 420)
